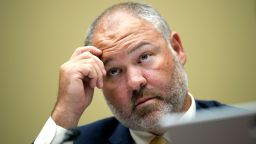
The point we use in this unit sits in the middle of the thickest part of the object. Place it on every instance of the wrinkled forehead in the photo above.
(118, 25)
(115, 24)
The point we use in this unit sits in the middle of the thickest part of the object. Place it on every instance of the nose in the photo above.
(135, 78)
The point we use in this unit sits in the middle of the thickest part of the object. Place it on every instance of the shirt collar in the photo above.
(142, 137)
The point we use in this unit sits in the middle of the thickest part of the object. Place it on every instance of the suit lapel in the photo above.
(121, 136)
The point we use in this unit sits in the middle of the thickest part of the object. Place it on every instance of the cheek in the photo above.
(161, 73)
(118, 96)
(158, 79)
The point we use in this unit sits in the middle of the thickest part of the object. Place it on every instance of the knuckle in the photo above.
(66, 68)
(86, 54)
(90, 61)
(63, 67)
(78, 50)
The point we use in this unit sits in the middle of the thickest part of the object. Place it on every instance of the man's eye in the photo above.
(144, 57)
(114, 71)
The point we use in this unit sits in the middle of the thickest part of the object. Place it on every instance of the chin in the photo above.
(149, 121)
(152, 123)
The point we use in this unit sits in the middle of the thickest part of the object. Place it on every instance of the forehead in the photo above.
(111, 24)
(119, 24)
(121, 30)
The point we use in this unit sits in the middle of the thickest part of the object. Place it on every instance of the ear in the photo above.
(178, 47)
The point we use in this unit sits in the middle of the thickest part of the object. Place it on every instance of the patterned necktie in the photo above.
(159, 140)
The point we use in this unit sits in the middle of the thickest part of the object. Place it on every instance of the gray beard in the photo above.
(150, 121)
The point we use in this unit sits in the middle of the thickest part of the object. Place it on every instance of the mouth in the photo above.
(143, 101)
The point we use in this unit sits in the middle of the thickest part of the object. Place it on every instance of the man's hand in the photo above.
(78, 78)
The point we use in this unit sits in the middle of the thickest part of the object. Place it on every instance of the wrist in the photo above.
(65, 118)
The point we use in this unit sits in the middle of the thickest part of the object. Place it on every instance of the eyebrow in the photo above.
(137, 47)
(107, 61)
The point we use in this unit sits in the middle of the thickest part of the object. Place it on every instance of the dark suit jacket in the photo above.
(111, 131)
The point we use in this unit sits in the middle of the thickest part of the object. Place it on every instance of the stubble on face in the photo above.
(168, 99)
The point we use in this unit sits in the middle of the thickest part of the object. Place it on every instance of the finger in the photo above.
(89, 72)
(97, 68)
(100, 64)
(100, 81)
(93, 75)
(93, 83)
(78, 51)
(88, 55)
(100, 74)
(94, 50)
(91, 49)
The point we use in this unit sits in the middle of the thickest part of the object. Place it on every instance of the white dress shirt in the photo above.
(51, 134)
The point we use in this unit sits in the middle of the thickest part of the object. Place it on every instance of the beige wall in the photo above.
(38, 36)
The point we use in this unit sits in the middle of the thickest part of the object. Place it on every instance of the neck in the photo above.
(159, 132)
(186, 103)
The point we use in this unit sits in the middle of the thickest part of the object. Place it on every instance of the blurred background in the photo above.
(38, 36)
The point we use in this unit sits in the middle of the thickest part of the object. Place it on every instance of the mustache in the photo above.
(144, 92)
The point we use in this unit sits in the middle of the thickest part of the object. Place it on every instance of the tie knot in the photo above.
(158, 140)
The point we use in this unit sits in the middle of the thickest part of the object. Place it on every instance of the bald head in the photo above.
(114, 16)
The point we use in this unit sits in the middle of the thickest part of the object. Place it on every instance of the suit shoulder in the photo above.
(204, 104)
(106, 123)
(98, 132)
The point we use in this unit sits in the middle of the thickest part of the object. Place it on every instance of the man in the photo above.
(133, 56)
